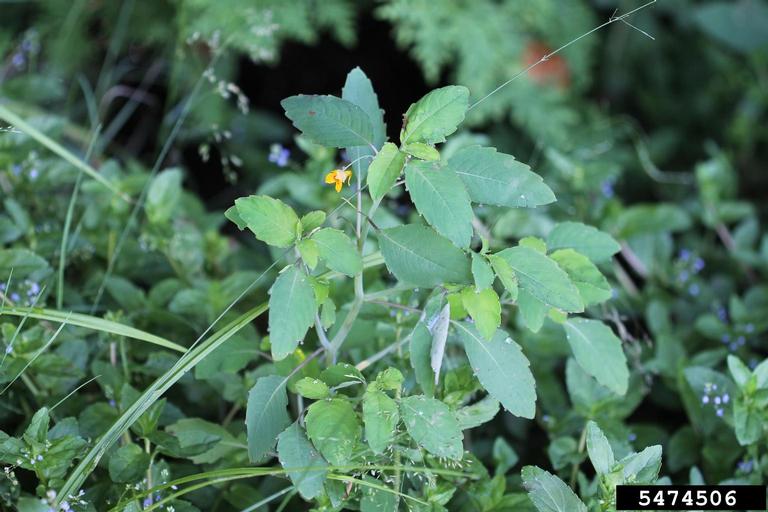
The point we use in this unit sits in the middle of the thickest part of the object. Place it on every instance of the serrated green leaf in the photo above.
(266, 415)
(591, 283)
(419, 255)
(497, 178)
(506, 275)
(292, 309)
(271, 220)
(312, 220)
(548, 493)
(599, 449)
(232, 214)
(384, 170)
(380, 416)
(338, 251)
(422, 151)
(482, 272)
(532, 311)
(479, 413)
(333, 428)
(540, 276)
(314, 389)
(433, 426)
(309, 252)
(421, 343)
(305, 467)
(643, 467)
(359, 91)
(440, 197)
(128, 464)
(502, 369)
(435, 115)
(598, 351)
(484, 308)
(596, 245)
(329, 121)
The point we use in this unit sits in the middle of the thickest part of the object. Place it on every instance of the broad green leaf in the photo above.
(747, 423)
(266, 415)
(292, 309)
(309, 251)
(341, 373)
(421, 343)
(532, 311)
(596, 245)
(374, 498)
(441, 198)
(651, 218)
(311, 388)
(128, 464)
(598, 351)
(739, 371)
(390, 379)
(591, 283)
(329, 121)
(643, 467)
(484, 308)
(380, 416)
(501, 368)
(540, 276)
(163, 196)
(535, 243)
(418, 255)
(338, 251)
(599, 449)
(305, 467)
(271, 220)
(497, 178)
(482, 272)
(435, 115)
(548, 493)
(422, 151)
(312, 220)
(505, 274)
(359, 91)
(433, 426)
(334, 430)
(200, 440)
(232, 214)
(472, 416)
(384, 170)
(439, 330)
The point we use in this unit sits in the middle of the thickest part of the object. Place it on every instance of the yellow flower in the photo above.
(338, 177)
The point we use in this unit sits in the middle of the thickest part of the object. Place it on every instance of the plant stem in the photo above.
(582, 445)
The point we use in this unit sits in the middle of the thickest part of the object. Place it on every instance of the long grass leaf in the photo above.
(92, 322)
(57, 148)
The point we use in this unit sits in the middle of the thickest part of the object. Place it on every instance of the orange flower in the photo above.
(338, 176)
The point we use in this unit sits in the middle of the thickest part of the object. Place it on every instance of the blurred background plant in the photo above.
(655, 130)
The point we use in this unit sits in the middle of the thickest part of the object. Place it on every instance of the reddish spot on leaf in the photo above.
(553, 71)
(312, 112)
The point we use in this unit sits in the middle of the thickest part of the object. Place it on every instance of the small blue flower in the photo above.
(683, 276)
(2, 287)
(705, 399)
(279, 155)
(684, 255)
(698, 265)
(750, 328)
(18, 60)
(694, 289)
(726, 338)
(8, 349)
(740, 341)
(733, 346)
(16, 169)
(15, 297)
(148, 501)
(722, 314)
(726, 398)
(632, 437)
(606, 188)
(33, 174)
(719, 413)
(745, 466)
(717, 400)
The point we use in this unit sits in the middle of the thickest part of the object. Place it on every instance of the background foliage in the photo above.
(462, 349)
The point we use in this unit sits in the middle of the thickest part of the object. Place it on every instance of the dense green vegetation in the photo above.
(539, 274)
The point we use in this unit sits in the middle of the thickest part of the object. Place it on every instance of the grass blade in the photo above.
(92, 322)
(57, 148)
